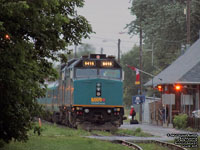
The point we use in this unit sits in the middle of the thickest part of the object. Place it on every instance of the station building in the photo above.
(179, 85)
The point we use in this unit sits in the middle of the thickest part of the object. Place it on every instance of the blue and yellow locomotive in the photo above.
(89, 93)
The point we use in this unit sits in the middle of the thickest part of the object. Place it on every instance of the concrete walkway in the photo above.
(160, 133)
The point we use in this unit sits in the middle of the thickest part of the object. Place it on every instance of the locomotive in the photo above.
(88, 94)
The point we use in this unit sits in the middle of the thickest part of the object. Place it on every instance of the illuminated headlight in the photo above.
(79, 108)
(98, 84)
(98, 93)
(118, 109)
(86, 110)
(98, 88)
(109, 111)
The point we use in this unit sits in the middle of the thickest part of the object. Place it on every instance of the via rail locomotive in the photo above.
(89, 93)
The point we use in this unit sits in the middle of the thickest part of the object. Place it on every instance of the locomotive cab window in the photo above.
(86, 73)
(110, 73)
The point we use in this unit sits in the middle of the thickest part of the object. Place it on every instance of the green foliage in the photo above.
(37, 30)
(54, 137)
(164, 25)
(180, 121)
(132, 58)
(152, 146)
(137, 132)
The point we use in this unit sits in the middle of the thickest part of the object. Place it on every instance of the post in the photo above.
(152, 53)
(101, 50)
(119, 50)
(165, 113)
(140, 69)
(170, 109)
(75, 53)
(199, 34)
(188, 22)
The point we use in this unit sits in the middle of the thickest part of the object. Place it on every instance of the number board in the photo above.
(107, 63)
(89, 63)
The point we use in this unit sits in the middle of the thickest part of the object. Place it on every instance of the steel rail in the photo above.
(129, 144)
(171, 146)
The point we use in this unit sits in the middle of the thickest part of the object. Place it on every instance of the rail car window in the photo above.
(110, 73)
(86, 73)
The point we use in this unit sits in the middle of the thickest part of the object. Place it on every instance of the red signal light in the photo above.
(159, 88)
(177, 87)
(7, 37)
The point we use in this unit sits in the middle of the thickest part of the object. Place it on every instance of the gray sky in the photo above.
(108, 18)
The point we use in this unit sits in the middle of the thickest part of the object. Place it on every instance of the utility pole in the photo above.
(75, 53)
(141, 69)
(101, 50)
(188, 22)
(119, 50)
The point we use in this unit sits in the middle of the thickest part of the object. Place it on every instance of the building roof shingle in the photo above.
(185, 69)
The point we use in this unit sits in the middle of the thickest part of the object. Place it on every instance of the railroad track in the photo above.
(129, 144)
(171, 146)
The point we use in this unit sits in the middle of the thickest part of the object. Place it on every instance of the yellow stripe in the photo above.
(98, 106)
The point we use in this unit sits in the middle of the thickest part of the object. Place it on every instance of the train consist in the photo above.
(89, 93)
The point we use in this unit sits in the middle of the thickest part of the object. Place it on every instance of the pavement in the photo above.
(159, 132)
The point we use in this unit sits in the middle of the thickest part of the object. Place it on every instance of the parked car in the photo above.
(196, 114)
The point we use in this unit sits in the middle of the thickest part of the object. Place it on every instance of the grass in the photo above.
(152, 146)
(59, 138)
(101, 133)
(137, 132)
(190, 148)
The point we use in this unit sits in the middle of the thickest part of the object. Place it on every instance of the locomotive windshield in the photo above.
(102, 73)
(86, 73)
(110, 73)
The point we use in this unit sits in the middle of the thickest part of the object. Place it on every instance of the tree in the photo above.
(164, 25)
(85, 49)
(37, 30)
(132, 58)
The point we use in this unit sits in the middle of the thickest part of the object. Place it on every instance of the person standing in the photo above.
(132, 112)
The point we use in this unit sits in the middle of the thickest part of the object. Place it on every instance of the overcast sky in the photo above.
(108, 18)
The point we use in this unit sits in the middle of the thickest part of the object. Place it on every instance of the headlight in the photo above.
(79, 108)
(98, 88)
(109, 111)
(118, 109)
(86, 110)
(98, 94)
(98, 84)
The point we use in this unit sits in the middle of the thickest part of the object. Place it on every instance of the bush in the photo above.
(180, 121)
(138, 130)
